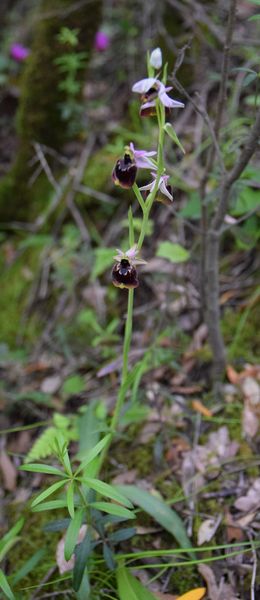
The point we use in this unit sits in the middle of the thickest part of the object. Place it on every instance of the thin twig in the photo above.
(44, 580)
(42, 160)
(79, 172)
(243, 160)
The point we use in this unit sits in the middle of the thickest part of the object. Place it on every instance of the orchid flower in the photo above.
(124, 273)
(150, 89)
(124, 172)
(141, 157)
(162, 186)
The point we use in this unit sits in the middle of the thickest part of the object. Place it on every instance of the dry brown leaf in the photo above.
(129, 476)
(200, 408)
(148, 432)
(251, 391)
(215, 592)
(50, 385)
(233, 376)
(207, 529)
(234, 529)
(206, 460)
(251, 411)
(9, 473)
(251, 501)
(175, 453)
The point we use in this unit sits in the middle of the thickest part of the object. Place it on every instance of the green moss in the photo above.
(32, 538)
(14, 293)
(240, 335)
(184, 579)
(99, 169)
(39, 117)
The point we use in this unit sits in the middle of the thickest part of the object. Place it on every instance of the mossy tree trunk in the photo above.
(39, 116)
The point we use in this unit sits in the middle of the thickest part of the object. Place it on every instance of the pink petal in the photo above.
(142, 86)
(132, 252)
(169, 102)
(148, 104)
(149, 186)
(164, 191)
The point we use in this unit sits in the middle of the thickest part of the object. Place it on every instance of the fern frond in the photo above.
(43, 446)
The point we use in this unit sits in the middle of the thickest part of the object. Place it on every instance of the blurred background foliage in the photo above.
(66, 113)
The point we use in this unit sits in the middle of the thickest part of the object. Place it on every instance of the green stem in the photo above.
(146, 208)
(139, 196)
(127, 342)
(123, 386)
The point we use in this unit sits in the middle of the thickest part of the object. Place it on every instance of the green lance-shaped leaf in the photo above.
(173, 135)
(72, 534)
(130, 588)
(82, 552)
(4, 585)
(50, 490)
(106, 490)
(10, 538)
(51, 505)
(159, 511)
(93, 453)
(113, 509)
(70, 499)
(41, 468)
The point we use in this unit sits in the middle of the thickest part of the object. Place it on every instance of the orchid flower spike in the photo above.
(124, 273)
(163, 186)
(142, 157)
(150, 89)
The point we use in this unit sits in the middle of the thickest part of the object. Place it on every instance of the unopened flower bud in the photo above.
(156, 58)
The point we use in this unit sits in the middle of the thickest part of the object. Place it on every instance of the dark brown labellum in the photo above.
(150, 95)
(147, 111)
(124, 275)
(124, 173)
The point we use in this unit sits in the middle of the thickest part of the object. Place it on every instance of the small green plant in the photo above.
(79, 492)
(69, 65)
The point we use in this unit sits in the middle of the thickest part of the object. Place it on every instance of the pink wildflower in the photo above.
(101, 42)
(19, 52)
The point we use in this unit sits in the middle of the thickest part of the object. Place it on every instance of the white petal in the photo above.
(164, 190)
(156, 58)
(142, 86)
(149, 186)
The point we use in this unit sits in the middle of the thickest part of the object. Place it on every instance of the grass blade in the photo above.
(159, 511)
(4, 585)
